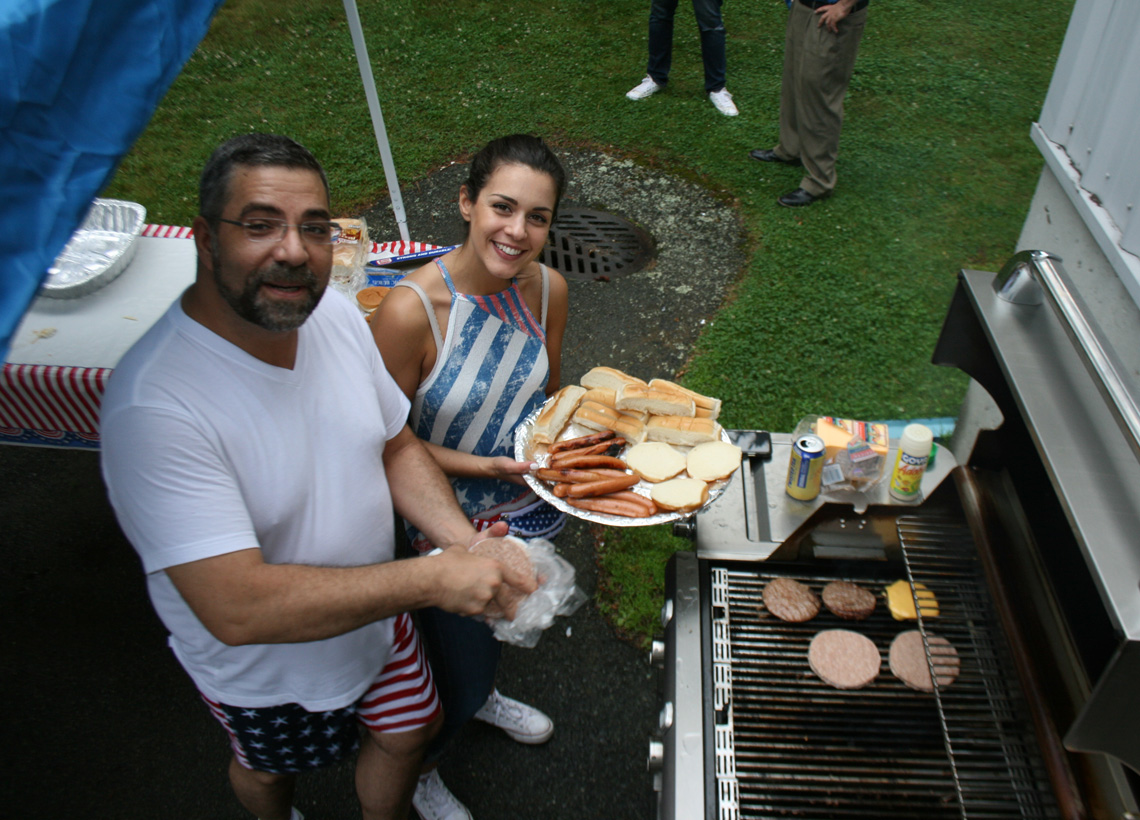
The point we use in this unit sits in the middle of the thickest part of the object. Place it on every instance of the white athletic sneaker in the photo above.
(645, 88)
(433, 801)
(522, 723)
(723, 102)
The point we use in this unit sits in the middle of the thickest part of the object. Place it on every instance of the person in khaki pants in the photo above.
(820, 46)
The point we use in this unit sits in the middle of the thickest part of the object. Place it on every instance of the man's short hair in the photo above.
(249, 150)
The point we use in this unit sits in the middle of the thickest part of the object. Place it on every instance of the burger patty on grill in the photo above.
(844, 659)
(847, 600)
(907, 659)
(791, 601)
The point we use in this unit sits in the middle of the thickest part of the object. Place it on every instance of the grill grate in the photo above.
(803, 749)
(588, 244)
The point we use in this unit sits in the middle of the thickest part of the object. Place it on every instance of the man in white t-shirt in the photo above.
(253, 447)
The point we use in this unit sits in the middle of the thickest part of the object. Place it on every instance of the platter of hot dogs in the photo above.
(620, 451)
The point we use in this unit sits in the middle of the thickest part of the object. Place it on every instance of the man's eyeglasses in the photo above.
(269, 229)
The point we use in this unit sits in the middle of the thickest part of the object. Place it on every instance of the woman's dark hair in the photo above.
(517, 149)
(251, 150)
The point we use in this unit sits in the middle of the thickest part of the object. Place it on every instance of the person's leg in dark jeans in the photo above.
(661, 14)
(710, 24)
(464, 655)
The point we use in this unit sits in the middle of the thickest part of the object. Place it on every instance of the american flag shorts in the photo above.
(288, 739)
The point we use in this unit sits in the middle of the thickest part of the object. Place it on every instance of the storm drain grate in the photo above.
(588, 244)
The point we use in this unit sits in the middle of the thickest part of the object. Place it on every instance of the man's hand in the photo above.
(469, 582)
(831, 15)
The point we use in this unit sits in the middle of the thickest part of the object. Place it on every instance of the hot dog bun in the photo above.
(655, 460)
(683, 494)
(681, 430)
(658, 402)
(706, 406)
(594, 416)
(556, 413)
(713, 460)
(608, 377)
(602, 395)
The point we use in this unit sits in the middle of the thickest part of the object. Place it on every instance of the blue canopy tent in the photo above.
(79, 80)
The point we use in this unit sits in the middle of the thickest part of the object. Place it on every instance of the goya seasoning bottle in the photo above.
(910, 463)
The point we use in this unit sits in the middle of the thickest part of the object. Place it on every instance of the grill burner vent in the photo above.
(588, 245)
(789, 745)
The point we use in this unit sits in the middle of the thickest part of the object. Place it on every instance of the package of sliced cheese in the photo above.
(855, 452)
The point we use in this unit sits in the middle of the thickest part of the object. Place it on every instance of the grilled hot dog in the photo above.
(568, 476)
(610, 506)
(602, 486)
(593, 450)
(583, 441)
(574, 461)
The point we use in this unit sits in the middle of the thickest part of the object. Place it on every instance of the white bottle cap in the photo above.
(917, 440)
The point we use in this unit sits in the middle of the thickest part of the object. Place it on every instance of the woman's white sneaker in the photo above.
(522, 723)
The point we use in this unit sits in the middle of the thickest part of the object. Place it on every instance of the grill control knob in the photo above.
(656, 760)
(665, 719)
(667, 612)
(657, 654)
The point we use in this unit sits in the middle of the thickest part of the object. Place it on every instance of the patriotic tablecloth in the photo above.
(64, 350)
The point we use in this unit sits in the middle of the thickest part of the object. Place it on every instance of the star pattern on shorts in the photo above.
(288, 738)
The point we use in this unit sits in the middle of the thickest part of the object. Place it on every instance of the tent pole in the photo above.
(358, 43)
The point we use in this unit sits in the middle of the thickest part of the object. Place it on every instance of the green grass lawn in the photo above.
(839, 305)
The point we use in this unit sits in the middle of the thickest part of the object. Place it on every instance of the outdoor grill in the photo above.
(1028, 535)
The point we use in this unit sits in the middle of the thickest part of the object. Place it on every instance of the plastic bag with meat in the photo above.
(557, 594)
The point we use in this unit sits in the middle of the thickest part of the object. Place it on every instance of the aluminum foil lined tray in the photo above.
(525, 451)
(98, 251)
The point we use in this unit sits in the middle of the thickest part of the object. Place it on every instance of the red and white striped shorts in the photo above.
(403, 696)
(289, 739)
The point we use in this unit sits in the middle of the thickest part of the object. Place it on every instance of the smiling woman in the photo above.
(497, 357)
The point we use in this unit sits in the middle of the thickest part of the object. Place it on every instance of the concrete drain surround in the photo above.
(594, 245)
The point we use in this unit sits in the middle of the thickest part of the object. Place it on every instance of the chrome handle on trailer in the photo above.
(1031, 277)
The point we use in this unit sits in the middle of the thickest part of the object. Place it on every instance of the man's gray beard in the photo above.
(273, 316)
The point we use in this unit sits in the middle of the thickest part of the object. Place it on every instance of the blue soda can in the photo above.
(805, 468)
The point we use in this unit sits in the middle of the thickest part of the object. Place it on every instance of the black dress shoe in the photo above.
(798, 198)
(768, 155)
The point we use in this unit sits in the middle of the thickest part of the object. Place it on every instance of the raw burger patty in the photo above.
(908, 660)
(790, 600)
(510, 552)
(844, 659)
(848, 600)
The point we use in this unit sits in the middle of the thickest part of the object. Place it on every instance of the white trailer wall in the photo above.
(1084, 209)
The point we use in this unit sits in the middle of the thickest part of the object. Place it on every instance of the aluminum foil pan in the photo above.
(525, 451)
(98, 251)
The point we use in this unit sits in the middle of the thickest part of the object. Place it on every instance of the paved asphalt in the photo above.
(101, 722)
